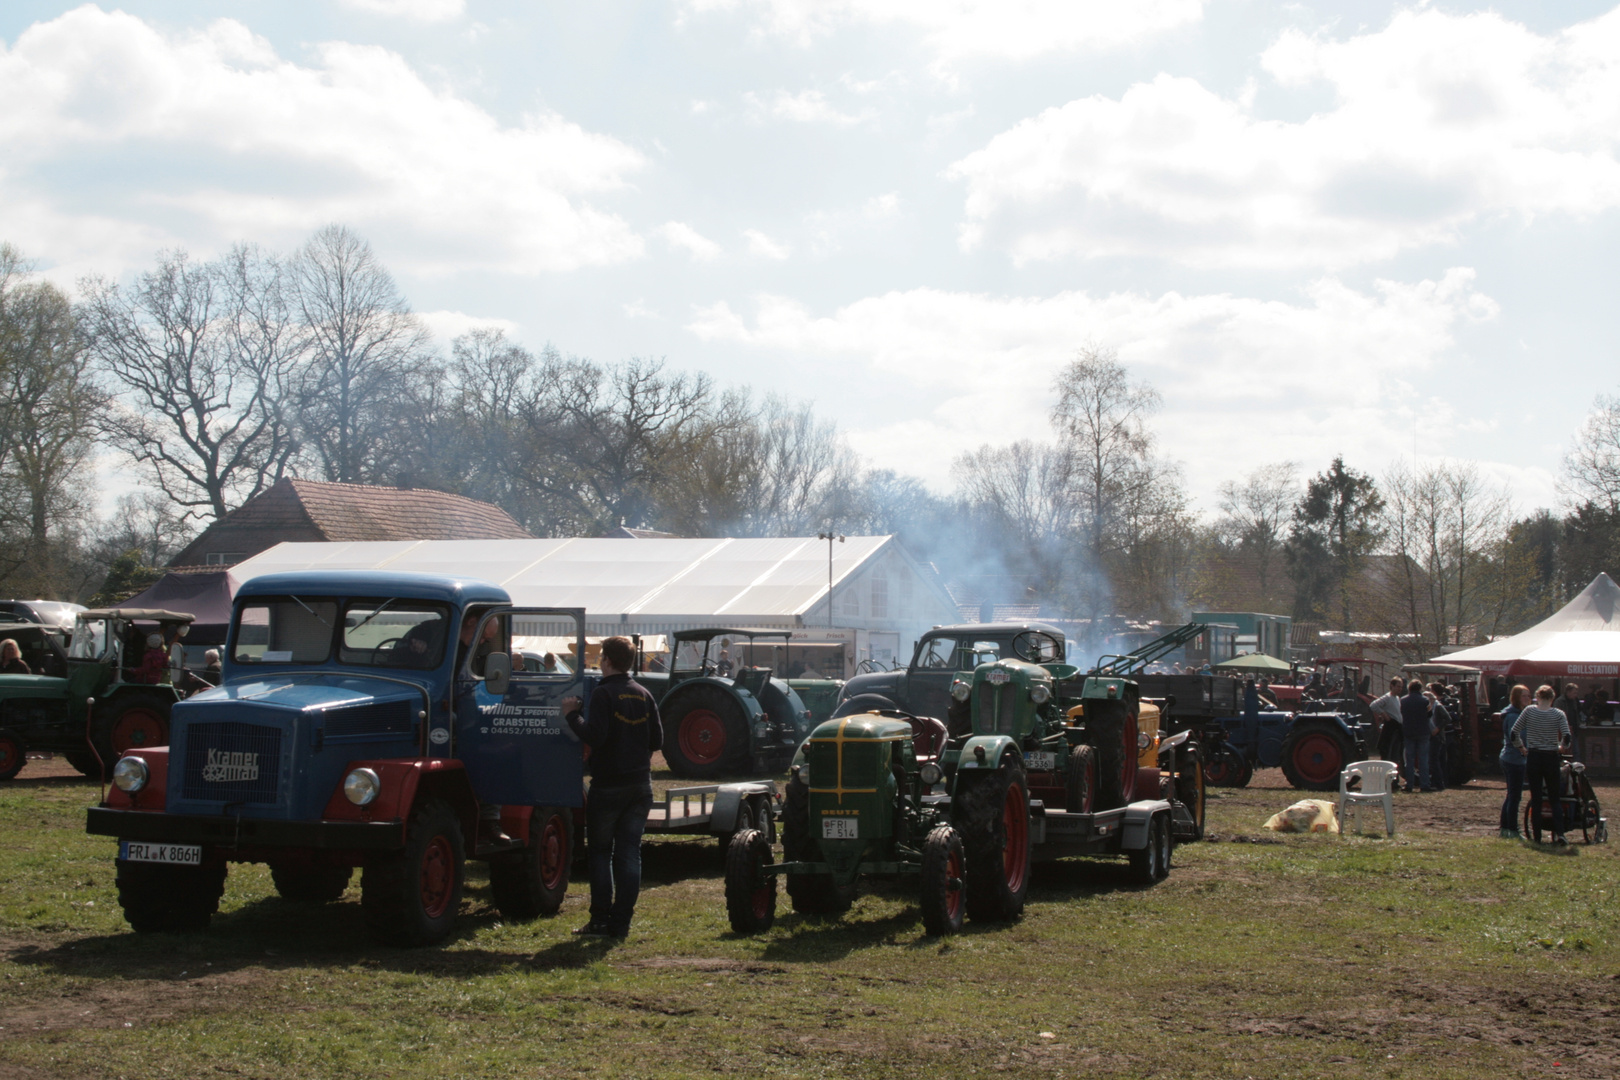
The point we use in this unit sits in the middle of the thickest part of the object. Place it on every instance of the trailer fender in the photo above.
(993, 746)
(730, 796)
(1133, 835)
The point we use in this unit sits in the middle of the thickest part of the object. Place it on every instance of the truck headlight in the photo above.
(362, 786)
(931, 774)
(130, 775)
(1040, 693)
(960, 690)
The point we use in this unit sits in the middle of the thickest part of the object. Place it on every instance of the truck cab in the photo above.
(366, 720)
(942, 655)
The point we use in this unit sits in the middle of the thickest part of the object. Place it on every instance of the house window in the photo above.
(880, 596)
(222, 558)
(852, 602)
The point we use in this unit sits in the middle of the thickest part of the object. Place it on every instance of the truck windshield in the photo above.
(956, 654)
(394, 632)
(283, 630)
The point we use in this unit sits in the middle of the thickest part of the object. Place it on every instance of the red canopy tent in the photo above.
(1582, 640)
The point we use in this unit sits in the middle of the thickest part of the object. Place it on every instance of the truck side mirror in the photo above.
(497, 673)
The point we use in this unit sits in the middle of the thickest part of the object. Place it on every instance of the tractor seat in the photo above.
(752, 679)
(927, 737)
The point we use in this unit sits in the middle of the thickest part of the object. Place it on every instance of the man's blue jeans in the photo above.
(615, 818)
(1417, 763)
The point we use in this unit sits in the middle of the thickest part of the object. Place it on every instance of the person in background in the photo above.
(722, 668)
(1386, 710)
(1542, 732)
(548, 663)
(1417, 725)
(1263, 688)
(1512, 759)
(11, 661)
(154, 666)
(211, 669)
(1570, 705)
(1251, 717)
(1441, 718)
(1597, 705)
(623, 730)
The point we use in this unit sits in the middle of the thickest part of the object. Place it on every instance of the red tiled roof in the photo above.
(354, 512)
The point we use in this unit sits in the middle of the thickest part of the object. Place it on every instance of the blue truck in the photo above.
(370, 721)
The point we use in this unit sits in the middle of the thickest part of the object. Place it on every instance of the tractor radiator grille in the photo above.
(996, 708)
(369, 721)
(232, 762)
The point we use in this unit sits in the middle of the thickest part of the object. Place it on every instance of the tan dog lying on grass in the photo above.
(1307, 815)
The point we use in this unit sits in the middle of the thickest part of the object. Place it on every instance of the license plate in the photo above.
(178, 854)
(1041, 760)
(840, 828)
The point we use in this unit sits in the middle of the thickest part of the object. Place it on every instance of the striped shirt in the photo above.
(1542, 729)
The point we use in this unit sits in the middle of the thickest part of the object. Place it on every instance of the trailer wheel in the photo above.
(311, 884)
(158, 897)
(1114, 738)
(1314, 754)
(533, 880)
(810, 894)
(992, 813)
(1190, 785)
(12, 755)
(1081, 780)
(750, 892)
(943, 882)
(412, 896)
(1150, 863)
(706, 734)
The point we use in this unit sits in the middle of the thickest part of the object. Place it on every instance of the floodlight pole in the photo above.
(829, 536)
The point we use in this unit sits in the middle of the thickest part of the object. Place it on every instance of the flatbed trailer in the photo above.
(718, 810)
(1144, 831)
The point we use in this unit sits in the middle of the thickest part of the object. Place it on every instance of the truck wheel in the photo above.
(532, 881)
(1081, 780)
(810, 894)
(157, 897)
(1190, 786)
(1115, 741)
(12, 755)
(993, 817)
(311, 884)
(943, 882)
(129, 723)
(750, 892)
(706, 734)
(1313, 756)
(412, 896)
(1150, 863)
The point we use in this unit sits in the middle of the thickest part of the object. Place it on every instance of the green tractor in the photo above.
(858, 803)
(98, 707)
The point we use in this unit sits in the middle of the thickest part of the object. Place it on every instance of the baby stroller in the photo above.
(1578, 804)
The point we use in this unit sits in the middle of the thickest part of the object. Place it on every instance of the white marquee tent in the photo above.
(1582, 638)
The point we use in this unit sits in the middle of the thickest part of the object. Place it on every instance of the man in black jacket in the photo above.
(623, 729)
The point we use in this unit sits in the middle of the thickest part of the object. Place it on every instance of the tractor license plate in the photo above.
(840, 828)
(1040, 760)
(178, 854)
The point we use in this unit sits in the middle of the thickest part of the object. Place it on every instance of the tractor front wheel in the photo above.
(412, 896)
(1190, 785)
(1313, 756)
(158, 897)
(750, 891)
(993, 816)
(1115, 741)
(532, 881)
(1081, 780)
(311, 884)
(943, 882)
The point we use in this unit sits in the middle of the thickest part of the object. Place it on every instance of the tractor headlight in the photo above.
(960, 690)
(1143, 740)
(803, 773)
(130, 775)
(362, 787)
(932, 774)
(1040, 693)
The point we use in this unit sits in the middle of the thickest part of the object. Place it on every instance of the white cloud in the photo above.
(957, 29)
(680, 235)
(1437, 121)
(446, 326)
(199, 138)
(1339, 368)
(762, 245)
(805, 107)
(422, 11)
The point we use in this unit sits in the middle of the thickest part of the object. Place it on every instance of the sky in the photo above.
(1369, 229)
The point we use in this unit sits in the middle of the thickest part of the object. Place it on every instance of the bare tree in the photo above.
(1023, 498)
(200, 357)
(1592, 466)
(366, 352)
(1256, 513)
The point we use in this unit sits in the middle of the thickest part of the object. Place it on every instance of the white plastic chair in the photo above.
(1378, 780)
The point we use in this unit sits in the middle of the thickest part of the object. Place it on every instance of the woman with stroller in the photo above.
(1543, 732)
(1512, 759)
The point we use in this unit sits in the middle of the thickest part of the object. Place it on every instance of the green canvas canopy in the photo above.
(1259, 662)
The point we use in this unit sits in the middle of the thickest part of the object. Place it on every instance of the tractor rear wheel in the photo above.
(1189, 788)
(992, 813)
(532, 881)
(1314, 754)
(412, 896)
(129, 723)
(810, 894)
(705, 734)
(311, 884)
(1081, 780)
(12, 755)
(1115, 739)
(158, 897)
(84, 762)
(943, 882)
(750, 891)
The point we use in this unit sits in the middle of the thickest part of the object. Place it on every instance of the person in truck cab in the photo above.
(623, 729)
(11, 661)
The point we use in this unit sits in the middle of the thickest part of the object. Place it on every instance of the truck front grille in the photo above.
(232, 762)
(369, 721)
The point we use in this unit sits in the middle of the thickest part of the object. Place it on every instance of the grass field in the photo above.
(1442, 953)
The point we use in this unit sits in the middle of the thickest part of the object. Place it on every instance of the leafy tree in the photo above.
(1255, 514)
(1335, 527)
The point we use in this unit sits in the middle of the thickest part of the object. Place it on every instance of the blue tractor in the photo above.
(366, 720)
